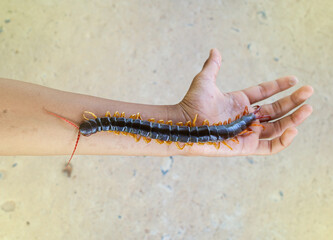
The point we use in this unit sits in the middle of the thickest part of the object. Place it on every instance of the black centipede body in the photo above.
(167, 132)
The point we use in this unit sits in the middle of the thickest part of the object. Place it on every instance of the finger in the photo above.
(275, 129)
(286, 104)
(212, 65)
(267, 89)
(267, 147)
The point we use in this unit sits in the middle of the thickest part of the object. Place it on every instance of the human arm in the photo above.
(27, 129)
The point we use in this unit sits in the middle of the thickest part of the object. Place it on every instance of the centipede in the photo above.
(165, 132)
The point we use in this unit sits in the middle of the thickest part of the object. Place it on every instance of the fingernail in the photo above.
(293, 81)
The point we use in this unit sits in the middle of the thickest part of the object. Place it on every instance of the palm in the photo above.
(205, 99)
(210, 103)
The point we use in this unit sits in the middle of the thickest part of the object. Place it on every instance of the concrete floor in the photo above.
(137, 48)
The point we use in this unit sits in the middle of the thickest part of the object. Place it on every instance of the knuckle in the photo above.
(262, 90)
(277, 108)
(277, 128)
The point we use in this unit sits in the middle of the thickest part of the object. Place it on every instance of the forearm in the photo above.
(27, 129)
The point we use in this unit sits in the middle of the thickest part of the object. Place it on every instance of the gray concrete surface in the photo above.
(137, 48)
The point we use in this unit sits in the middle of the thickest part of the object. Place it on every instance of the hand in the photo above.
(205, 99)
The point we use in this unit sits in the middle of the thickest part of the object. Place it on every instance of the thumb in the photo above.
(212, 65)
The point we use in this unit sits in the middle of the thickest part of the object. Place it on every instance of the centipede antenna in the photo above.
(264, 118)
(77, 141)
(256, 109)
(73, 124)
(66, 120)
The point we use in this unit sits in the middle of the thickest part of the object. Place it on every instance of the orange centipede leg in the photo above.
(151, 120)
(147, 140)
(133, 116)
(138, 116)
(169, 122)
(179, 124)
(205, 122)
(258, 125)
(159, 141)
(168, 142)
(180, 147)
(160, 121)
(246, 131)
(107, 114)
(226, 145)
(243, 132)
(246, 111)
(116, 114)
(188, 124)
(132, 135)
(87, 112)
(137, 139)
(194, 120)
(217, 145)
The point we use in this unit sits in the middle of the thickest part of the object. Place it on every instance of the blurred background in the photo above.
(130, 51)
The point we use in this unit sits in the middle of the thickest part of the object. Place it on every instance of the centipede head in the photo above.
(261, 118)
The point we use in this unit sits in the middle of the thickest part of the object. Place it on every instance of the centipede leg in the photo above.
(160, 121)
(226, 145)
(217, 145)
(246, 111)
(169, 122)
(180, 147)
(138, 116)
(258, 125)
(147, 140)
(137, 139)
(116, 114)
(188, 124)
(205, 122)
(87, 112)
(159, 141)
(246, 131)
(179, 124)
(194, 120)
(133, 116)
(151, 120)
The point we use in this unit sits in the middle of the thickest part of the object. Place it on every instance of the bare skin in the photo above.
(27, 129)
